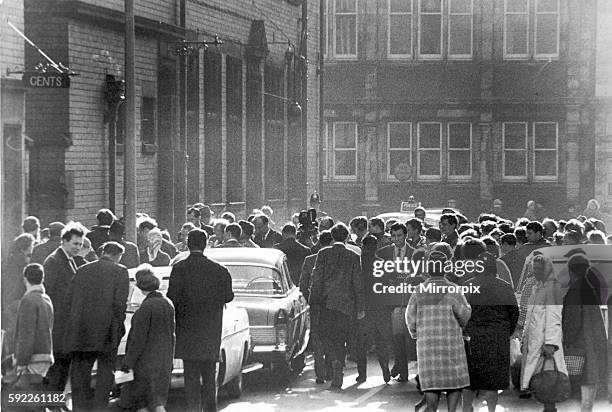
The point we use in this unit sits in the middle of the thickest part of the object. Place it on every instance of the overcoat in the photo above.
(97, 297)
(199, 289)
(436, 321)
(58, 277)
(494, 316)
(150, 350)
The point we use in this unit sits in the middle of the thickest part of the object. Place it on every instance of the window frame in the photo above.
(324, 149)
(394, 56)
(153, 121)
(535, 32)
(421, 177)
(525, 150)
(419, 35)
(449, 150)
(519, 56)
(335, 31)
(450, 14)
(390, 176)
(334, 150)
(545, 178)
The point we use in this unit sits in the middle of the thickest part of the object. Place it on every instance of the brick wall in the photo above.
(11, 52)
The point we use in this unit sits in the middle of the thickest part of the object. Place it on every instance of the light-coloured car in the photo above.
(235, 337)
(279, 315)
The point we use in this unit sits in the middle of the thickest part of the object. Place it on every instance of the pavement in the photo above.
(264, 393)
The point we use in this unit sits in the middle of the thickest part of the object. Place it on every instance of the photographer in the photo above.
(308, 230)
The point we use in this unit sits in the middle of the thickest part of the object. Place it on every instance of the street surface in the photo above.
(262, 393)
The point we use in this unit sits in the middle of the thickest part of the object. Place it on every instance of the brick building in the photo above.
(12, 122)
(216, 126)
(470, 100)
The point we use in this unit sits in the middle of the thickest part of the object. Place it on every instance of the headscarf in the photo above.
(547, 291)
(154, 239)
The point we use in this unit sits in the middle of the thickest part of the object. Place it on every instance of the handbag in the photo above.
(550, 386)
(575, 364)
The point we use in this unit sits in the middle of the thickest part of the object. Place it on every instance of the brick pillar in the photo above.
(486, 154)
(372, 168)
(573, 155)
(254, 162)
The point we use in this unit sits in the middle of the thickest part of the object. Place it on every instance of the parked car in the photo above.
(279, 315)
(235, 337)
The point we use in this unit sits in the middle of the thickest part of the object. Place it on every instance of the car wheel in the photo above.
(234, 387)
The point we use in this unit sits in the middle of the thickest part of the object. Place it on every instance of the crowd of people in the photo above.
(65, 287)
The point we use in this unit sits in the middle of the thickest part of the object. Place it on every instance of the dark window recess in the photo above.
(212, 128)
(275, 132)
(234, 129)
(148, 133)
(120, 126)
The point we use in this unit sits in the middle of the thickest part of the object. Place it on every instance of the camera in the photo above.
(308, 226)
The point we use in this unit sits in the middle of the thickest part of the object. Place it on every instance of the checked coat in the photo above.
(436, 321)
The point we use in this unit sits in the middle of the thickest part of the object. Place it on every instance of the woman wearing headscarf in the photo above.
(494, 316)
(153, 254)
(584, 333)
(593, 210)
(542, 333)
(436, 321)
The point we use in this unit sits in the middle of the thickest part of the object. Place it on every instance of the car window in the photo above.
(256, 280)
(135, 296)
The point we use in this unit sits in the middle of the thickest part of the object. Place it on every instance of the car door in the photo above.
(296, 329)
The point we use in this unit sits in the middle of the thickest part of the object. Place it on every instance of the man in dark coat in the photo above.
(97, 297)
(199, 289)
(322, 367)
(42, 250)
(60, 268)
(402, 342)
(264, 236)
(99, 234)
(150, 347)
(295, 251)
(233, 232)
(337, 290)
(130, 258)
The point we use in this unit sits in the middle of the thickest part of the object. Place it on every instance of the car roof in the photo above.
(252, 256)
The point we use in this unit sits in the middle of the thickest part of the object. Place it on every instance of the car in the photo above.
(432, 216)
(235, 337)
(279, 316)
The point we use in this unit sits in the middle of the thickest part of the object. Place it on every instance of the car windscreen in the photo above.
(256, 280)
(136, 296)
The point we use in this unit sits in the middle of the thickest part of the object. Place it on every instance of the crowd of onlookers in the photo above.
(461, 344)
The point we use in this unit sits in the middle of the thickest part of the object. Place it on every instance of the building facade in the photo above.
(469, 100)
(12, 122)
(217, 125)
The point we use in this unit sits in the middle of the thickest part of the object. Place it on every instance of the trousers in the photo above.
(84, 399)
(204, 395)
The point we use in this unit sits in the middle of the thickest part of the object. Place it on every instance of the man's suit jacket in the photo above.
(58, 278)
(388, 252)
(98, 236)
(43, 250)
(296, 253)
(199, 289)
(306, 275)
(337, 280)
(98, 299)
(271, 239)
(230, 243)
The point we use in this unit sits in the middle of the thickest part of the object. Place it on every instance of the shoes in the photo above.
(338, 375)
(402, 378)
(320, 381)
(360, 378)
(386, 374)
(525, 395)
(394, 371)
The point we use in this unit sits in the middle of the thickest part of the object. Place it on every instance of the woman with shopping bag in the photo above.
(543, 335)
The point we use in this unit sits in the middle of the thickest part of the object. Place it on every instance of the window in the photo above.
(531, 29)
(459, 150)
(399, 35)
(430, 28)
(545, 141)
(324, 159)
(460, 28)
(147, 121)
(345, 28)
(514, 137)
(399, 137)
(547, 28)
(345, 150)
(429, 161)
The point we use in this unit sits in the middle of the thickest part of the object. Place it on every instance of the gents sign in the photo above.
(46, 80)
